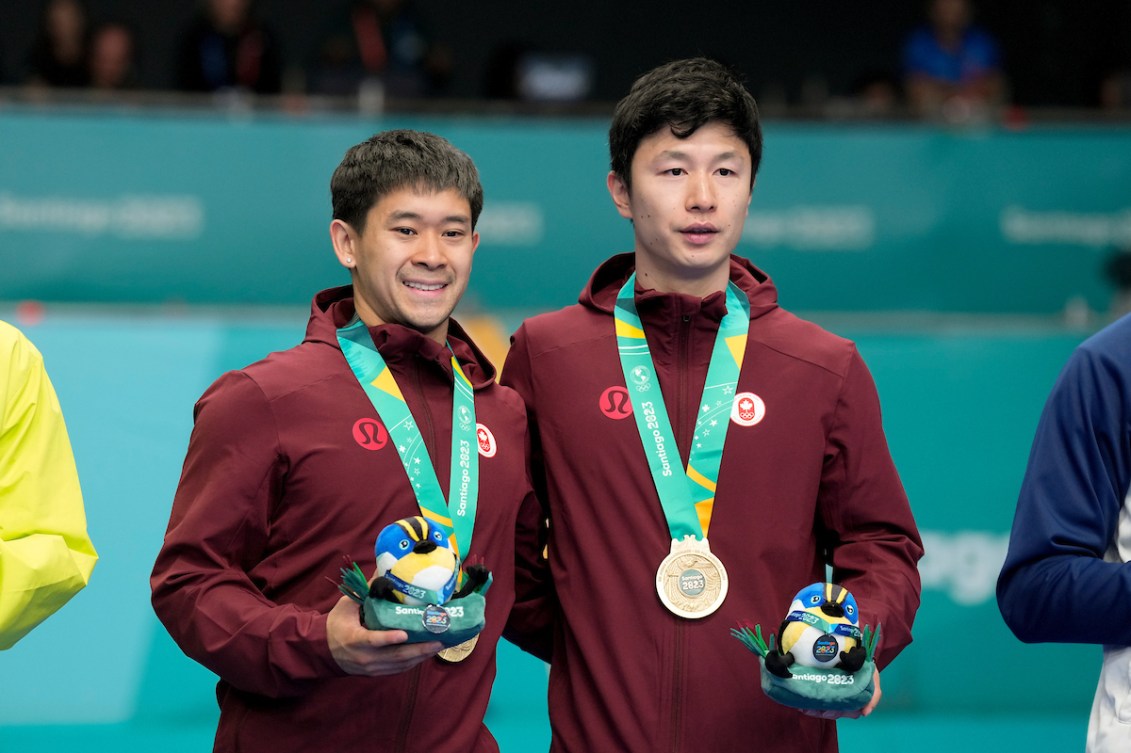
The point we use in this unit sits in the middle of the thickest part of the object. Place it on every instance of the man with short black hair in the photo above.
(297, 462)
(676, 373)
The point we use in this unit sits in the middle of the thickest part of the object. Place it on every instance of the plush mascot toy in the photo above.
(823, 660)
(415, 563)
(414, 586)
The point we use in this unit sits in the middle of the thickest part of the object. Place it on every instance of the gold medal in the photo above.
(691, 581)
(460, 651)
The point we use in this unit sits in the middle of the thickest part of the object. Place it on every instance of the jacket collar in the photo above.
(607, 280)
(334, 308)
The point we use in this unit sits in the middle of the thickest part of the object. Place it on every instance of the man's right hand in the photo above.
(371, 652)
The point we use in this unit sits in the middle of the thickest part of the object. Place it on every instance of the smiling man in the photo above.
(294, 467)
(679, 415)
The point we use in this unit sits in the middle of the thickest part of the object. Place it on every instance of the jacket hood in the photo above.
(333, 308)
(607, 280)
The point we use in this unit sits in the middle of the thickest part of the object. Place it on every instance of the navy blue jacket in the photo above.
(1071, 535)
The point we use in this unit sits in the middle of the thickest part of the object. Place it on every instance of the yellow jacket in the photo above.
(46, 556)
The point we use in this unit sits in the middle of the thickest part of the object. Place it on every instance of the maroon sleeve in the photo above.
(872, 540)
(202, 590)
(530, 625)
(531, 621)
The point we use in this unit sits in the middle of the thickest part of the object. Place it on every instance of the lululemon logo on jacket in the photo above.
(614, 403)
(487, 446)
(370, 434)
(748, 409)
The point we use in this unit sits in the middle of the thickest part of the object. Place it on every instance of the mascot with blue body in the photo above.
(821, 659)
(414, 588)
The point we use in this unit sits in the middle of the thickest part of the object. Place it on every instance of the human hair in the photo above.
(683, 95)
(392, 160)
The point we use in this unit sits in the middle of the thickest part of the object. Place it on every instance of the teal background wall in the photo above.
(113, 206)
(171, 248)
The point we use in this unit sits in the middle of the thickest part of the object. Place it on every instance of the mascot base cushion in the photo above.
(456, 621)
(821, 689)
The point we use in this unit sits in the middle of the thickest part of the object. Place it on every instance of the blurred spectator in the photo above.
(58, 56)
(951, 66)
(877, 93)
(873, 95)
(227, 47)
(1115, 89)
(380, 41)
(113, 52)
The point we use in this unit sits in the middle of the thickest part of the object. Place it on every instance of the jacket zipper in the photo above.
(677, 688)
(410, 707)
(430, 445)
(682, 398)
(409, 711)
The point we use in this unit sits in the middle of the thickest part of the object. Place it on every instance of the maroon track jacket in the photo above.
(811, 484)
(286, 479)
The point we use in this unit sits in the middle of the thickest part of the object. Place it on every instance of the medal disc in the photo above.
(459, 652)
(691, 581)
(436, 619)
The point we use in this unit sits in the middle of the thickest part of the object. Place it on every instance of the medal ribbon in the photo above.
(686, 495)
(456, 515)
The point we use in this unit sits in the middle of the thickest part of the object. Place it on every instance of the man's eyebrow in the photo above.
(678, 154)
(406, 214)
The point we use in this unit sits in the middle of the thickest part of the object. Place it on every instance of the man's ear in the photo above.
(619, 191)
(344, 240)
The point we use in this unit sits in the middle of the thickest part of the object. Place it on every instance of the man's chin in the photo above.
(430, 327)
